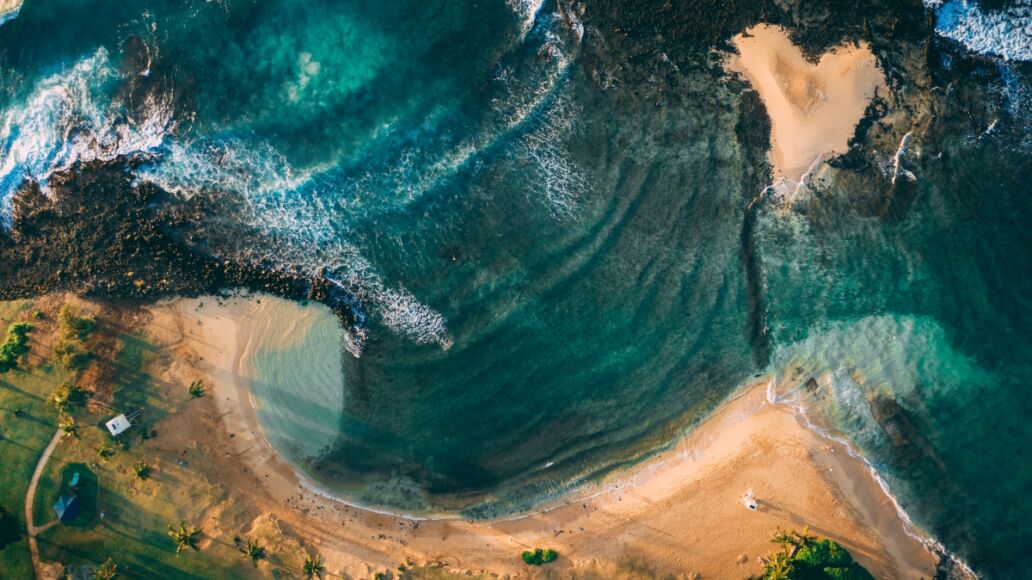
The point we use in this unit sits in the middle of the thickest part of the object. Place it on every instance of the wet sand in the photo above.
(680, 511)
(813, 107)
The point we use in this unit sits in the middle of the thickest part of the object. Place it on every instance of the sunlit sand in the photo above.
(813, 108)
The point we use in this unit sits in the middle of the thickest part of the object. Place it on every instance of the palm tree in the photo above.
(184, 537)
(804, 538)
(196, 390)
(60, 399)
(106, 571)
(779, 567)
(787, 540)
(313, 567)
(253, 550)
(105, 450)
(67, 424)
(142, 469)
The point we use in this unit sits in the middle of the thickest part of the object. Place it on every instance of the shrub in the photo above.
(539, 556)
(824, 552)
(16, 345)
(66, 396)
(74, 327)
(71, 356)
(805, 556)
(68, 349)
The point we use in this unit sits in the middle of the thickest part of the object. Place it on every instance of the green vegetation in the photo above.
(106, 451)
(196, 390)
(539, 556)
(26, 426)
(74, 326)
(16, 345)
(804, 556)
(106, 571)
(135, 516)
(73, 329)
(253, 551)
(142, 469)
(66, 396)
(184, 537)
(313, 566)
(39, 315)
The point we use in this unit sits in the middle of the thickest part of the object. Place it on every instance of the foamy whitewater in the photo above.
(68, 119)
(557, 232)
(1004, 33)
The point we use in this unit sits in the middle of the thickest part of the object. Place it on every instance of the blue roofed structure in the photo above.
(67, 508)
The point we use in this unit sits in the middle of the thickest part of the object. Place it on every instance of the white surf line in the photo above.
(908, 524)
(1004, 33)
(897, 159)
(9, 10)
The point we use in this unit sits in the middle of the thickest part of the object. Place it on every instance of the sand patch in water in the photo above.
(813, 108)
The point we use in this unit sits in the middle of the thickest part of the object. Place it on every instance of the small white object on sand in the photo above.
(749, 500)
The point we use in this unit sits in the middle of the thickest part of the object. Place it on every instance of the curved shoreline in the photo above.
(802, 476)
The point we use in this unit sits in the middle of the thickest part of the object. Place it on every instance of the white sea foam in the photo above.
(68, 118)
(963, 571)
(898, 159)
(541, 106)
(527, 11)
(906, 358)
(303, 212)
(227, 165)
(1005, 33)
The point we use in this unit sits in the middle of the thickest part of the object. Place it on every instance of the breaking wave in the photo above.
(304, 214)
(64, 121)
(1004, 33)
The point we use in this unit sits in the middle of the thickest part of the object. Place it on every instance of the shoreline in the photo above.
(696, 484)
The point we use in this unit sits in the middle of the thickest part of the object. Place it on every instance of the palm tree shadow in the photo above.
(854, 547)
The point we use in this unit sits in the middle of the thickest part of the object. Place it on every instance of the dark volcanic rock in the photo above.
(98, 235)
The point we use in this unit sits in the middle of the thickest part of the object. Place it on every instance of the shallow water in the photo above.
(555, 222)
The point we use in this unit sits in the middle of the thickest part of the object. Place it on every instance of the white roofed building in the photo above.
(120, 424)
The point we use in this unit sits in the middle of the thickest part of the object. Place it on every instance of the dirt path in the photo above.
(30, 500)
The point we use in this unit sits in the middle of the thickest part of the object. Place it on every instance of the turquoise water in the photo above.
(555, 220)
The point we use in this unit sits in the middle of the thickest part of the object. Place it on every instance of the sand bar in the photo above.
(813, 107)
(681, 511)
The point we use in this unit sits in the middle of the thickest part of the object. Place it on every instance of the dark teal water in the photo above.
(555, 219)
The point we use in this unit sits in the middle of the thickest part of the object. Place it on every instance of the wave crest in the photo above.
(63, 122)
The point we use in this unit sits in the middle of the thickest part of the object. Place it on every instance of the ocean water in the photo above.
(287, 345)
(555, 220)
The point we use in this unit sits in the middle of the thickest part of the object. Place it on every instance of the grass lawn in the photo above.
(86, 495)
(23, 436)
(136, 513)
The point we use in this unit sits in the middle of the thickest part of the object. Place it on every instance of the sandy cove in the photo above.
(681, 511)
(813, 107)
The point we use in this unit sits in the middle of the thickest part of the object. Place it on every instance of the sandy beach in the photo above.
(9, 9)
(680, 512)
(813, 107)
